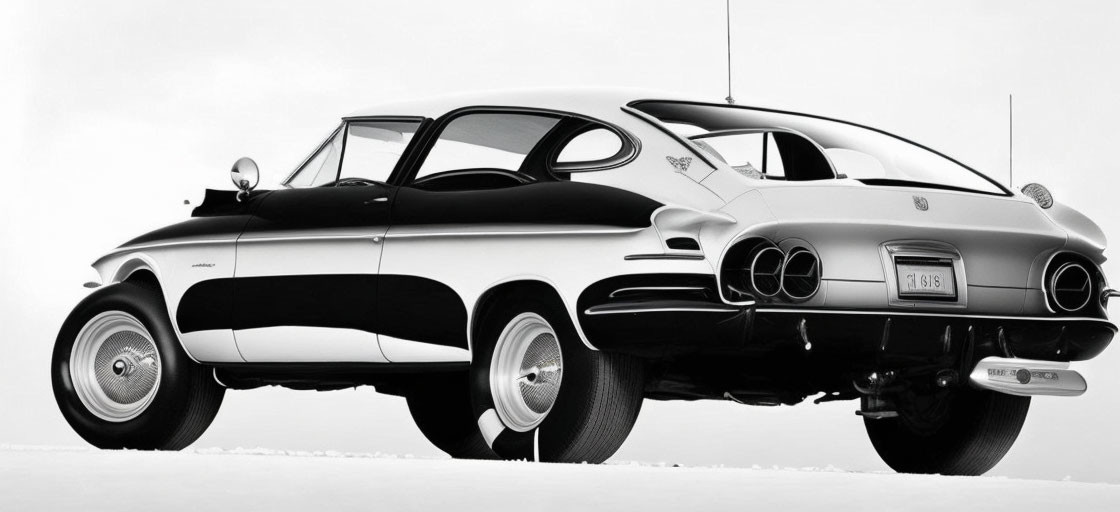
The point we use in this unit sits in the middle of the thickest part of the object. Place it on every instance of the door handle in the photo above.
(375, 200)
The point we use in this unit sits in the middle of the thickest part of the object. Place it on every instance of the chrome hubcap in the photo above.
(115, 366)
(525, 372)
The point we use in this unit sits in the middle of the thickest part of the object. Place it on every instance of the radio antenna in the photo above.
(727, 16)
(1010, 142)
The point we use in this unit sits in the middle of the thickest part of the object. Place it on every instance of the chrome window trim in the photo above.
(344, 127)
(311, 155)
(628, 151)
(413, 162)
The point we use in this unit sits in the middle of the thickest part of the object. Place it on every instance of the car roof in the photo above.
(602, 103)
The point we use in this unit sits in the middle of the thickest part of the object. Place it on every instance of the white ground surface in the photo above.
(37, 478)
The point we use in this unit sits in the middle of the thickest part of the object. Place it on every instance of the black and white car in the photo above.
(526, 268)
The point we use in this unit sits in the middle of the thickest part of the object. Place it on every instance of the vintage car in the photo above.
(526, 267)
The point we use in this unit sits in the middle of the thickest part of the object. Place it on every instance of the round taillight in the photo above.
(1071, 287)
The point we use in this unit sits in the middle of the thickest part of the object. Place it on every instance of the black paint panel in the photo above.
(339, 300)
(198, 227)
(346, 301)
(549, 203)
(224, 202)
(662, 333)
(415, 308)
(412, 308)
(219, 214)
(323, 208)
(206, 305)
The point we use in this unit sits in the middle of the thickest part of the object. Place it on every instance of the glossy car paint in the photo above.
(1006, 243)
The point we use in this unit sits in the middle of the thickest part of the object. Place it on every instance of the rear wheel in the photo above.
(540, 394)
(962, 432)
(441, 407)
(122, 380)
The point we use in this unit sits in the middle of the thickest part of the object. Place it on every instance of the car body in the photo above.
(721, 251)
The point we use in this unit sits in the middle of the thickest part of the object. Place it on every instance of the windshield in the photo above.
(865, 154)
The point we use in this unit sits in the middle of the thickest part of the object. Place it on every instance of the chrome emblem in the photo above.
(920, 203)
(680, 164)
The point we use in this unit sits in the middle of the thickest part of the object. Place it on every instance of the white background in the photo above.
(113, 113)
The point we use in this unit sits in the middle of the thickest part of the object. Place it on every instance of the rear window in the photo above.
(866, 154)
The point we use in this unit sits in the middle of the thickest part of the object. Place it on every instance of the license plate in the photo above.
(933, 279)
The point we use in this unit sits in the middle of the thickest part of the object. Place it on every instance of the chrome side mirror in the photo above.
(245, 176)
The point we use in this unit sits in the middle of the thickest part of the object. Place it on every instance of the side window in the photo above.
(486, 141)
(856, 164)
(752, 154)
(359, 149)
(374, 147)
(590, 146)
(322, 167)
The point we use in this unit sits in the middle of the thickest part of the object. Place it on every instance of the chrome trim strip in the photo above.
(1026, 377)
(591, 311)
(632, 257)
(609, 231)
(925, 314)
(305, 236)
(309, 238)
(170, 243)
(656, 288)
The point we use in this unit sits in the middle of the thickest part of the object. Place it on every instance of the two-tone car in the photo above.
(525, 268)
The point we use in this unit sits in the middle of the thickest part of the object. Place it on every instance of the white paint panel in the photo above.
(406, 351)
(298, 344)
(280, 256)
(213, 346)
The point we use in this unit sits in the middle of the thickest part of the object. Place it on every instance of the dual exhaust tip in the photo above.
(796, 275)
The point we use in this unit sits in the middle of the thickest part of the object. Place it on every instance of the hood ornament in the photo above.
(920, 203)
(680, 164)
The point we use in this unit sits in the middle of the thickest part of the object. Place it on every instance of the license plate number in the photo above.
(925, 280)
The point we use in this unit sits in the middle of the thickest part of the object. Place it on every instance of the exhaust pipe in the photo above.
(1027, 377)
(801, 274)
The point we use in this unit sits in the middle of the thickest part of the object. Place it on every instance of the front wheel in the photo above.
(122, 380)
(962, 432)
(540, 394)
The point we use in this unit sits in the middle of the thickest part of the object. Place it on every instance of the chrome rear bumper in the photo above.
(1027, 377)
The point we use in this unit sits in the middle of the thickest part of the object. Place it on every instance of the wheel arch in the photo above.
(499, 291)
(140, 268)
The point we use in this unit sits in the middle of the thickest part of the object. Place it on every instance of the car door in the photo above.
(465, 217)
(307, 262)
